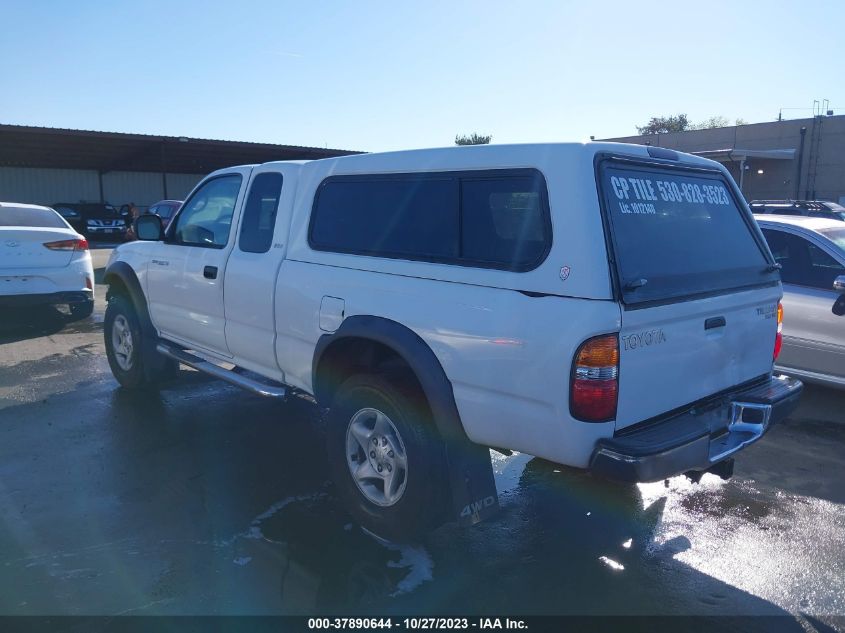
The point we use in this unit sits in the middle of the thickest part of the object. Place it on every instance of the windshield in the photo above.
(837, 236)
(678, 232)
(39, 218)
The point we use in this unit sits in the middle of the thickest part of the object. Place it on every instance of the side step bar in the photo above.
(266, 389)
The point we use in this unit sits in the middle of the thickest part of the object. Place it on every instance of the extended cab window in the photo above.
(206, 218)
(678, 232)
(489, 219)
(259, 219)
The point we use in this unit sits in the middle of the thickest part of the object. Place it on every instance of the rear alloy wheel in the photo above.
(376, 457)
(386, 458)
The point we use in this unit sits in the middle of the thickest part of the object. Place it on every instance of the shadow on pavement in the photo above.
(201, 499)
(18, 324)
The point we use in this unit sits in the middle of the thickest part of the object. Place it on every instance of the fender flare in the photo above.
(124, 273)
(417, 355)
(474, 496)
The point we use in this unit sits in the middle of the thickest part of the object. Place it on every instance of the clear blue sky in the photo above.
(388, 75)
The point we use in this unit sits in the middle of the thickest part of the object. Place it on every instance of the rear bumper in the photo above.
(700, 438)
(53, 298)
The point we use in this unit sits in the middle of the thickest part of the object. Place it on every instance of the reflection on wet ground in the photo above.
(201, 499)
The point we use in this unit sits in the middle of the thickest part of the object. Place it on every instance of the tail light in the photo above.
(594, 384)
(779, 335)
(76, 244)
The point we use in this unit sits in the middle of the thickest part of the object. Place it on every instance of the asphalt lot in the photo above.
(201, 499)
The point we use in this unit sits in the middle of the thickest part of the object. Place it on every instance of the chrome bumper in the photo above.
(700, 438)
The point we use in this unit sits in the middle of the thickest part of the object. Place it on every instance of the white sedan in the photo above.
(43, 261)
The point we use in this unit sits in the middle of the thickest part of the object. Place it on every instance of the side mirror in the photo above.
(839, 306)
(149, 228)
(839, 284)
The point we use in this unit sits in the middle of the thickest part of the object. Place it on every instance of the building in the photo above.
(48, 165)
(798, 159)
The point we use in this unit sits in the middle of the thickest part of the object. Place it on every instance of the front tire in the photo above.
(124, 341)
(387, 460)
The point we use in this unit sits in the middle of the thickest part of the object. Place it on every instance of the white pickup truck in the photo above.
(604, 306)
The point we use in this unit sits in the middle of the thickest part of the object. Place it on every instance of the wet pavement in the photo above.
(202, 499)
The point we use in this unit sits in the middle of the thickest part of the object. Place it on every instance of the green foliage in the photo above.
(711, 123)
(664, 124)
(680, 123)
(473, 139)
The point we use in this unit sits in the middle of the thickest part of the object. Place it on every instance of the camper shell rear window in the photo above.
(678, 231)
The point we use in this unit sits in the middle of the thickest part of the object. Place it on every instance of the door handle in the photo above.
(210, 272)
(714, 322)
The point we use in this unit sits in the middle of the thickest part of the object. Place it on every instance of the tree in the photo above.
(473, 139)
(680, 123)
(711, 123)
(664, 124)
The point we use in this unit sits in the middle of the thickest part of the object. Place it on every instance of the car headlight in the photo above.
(90, 223)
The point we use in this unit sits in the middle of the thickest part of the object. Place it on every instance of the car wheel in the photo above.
(81, 310)
(386, 458)
(122, 333)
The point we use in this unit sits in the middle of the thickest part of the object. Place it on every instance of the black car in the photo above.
(93, 219)
(809, 208)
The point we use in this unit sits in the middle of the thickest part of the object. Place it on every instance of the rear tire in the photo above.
(395, 487)
(81, 310)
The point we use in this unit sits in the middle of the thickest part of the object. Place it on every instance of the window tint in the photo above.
(837, 236)
(802, 262)
(495, 219)
(40, 218)
(413, 217)
(166, 210)
(259, 219)
(67, 212)
(502, 221)
(207, 216)
(680, 231)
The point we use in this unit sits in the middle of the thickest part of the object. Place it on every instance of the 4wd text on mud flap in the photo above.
(477, 506)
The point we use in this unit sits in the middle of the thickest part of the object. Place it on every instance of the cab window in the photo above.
(206, 218)
(259, 216)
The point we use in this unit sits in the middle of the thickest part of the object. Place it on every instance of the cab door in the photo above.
(186, 272)
(253, 267)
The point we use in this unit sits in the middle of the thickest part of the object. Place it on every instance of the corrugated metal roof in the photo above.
(32, 146)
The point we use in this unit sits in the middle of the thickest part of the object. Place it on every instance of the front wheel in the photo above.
(387, 460)
(124, 347)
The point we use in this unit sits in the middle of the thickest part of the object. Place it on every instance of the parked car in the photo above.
(165, 209)
(609, 307)
(43, 261)
(811, 252)
(809, 208)
(93, 219)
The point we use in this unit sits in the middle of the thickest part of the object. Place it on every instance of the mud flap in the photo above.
(473, 487)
